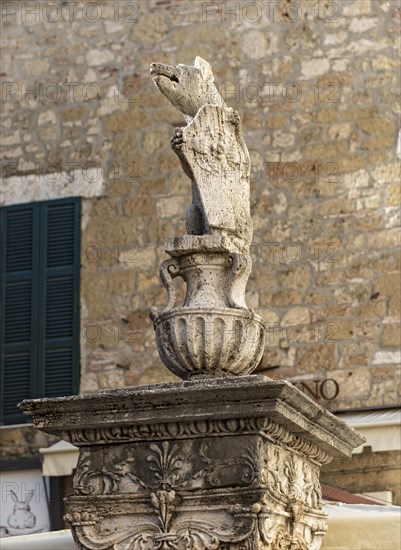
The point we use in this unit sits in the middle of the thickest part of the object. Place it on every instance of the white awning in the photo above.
(55, 540)
(382, 429)
(59, 459)
(362, 527)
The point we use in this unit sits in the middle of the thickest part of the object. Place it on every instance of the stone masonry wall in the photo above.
(317, 87)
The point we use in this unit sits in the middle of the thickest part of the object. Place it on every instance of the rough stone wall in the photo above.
(23, 442)
(374, 471)
(317, 91)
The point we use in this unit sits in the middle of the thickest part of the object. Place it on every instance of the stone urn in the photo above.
(213, 333)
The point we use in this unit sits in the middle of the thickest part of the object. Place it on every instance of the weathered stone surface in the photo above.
(209, 398)
(86, 183)
(213, 333)
(203, 340)
(212, 152)
(245, 453)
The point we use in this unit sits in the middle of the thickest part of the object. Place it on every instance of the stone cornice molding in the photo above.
(275, 409)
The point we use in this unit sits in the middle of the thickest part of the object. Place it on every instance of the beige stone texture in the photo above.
(343, 329)
(354, 383)
(23, 442)
(391, 336)
(120, 122)
(394, 195)
(389, 287)
(149, 29)
(296, 316)
(321, 356)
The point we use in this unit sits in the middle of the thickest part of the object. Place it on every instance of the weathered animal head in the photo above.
(188, 88)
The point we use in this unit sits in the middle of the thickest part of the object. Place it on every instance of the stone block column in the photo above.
(223, 463)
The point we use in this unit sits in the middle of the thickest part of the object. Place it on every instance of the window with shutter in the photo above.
(39, 302)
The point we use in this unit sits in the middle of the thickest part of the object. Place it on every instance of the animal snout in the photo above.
(159, 69)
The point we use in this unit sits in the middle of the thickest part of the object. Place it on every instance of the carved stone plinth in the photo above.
(219, 463)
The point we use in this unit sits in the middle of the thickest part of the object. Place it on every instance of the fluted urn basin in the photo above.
(210, 342)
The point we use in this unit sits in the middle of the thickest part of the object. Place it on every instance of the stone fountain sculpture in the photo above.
(219, 461)
(213, 333)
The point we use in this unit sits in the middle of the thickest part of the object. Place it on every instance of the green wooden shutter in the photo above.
(61, 299)
(19, 256)
(39, 303)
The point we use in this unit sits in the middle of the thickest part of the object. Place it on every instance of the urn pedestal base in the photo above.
(227, 464)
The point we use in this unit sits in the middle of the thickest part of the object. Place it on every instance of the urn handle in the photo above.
(168, 271)
(240, 266)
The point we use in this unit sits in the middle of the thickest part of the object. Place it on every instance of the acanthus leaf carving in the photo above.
(168, 467)
(267, 525)
(181, 534)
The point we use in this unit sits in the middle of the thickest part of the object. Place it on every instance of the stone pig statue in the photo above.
(212, 152)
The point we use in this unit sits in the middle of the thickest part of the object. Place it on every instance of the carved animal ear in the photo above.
(28, 497)
(13, 496)
(204, 68)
